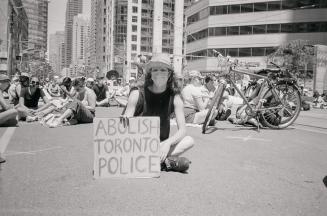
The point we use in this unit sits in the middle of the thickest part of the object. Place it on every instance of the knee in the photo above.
(189, 141)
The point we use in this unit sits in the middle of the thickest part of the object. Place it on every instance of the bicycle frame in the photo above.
(266, 80)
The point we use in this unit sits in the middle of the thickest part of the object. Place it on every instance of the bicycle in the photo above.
(279, 100)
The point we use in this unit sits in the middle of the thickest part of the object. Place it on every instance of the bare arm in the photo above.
(91, 100)
(200, 103)
(132, 102)
(3, 103)
(180, 119)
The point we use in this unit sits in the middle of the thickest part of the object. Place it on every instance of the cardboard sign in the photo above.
(126, 152)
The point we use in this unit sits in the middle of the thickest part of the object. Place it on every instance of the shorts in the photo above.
(189, 114)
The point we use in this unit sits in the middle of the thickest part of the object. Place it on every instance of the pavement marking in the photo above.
(10, 153)
(247, 138)
(4, 140)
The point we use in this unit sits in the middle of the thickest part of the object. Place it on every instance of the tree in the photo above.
(295, 56)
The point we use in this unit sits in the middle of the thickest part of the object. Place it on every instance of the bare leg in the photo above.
(68, 113)
(185, 144)
(201, 116)
(8, 116)
(104, 102)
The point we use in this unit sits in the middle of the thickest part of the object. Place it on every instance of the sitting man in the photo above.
(7, 114)
(82, 109)
(29, 99)
(101, 91)
(195, 99)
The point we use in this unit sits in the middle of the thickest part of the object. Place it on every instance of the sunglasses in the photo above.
(35, 83)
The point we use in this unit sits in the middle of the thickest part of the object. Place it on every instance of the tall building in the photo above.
(93, 35)
(133, 33)
(13, 37)
(73, 8)
(79, 35)
(55, 51)
(250, 30)
(37, 13)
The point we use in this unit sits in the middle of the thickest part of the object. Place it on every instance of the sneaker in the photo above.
(177, 164)
(212, 122)
(2, 160)
(226, 115)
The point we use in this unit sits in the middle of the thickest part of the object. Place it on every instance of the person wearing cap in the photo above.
(160, 96)
(90, 83)
(195, 99)
(101, 91)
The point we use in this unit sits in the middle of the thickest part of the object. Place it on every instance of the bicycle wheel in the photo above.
(216, 101)
(281, 113)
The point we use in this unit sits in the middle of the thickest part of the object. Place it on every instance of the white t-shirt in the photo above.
(190, 93)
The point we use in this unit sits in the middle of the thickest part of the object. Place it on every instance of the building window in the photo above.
(287, 27)
(273, 28)
(232, 52)
(245, 52)
(135, 1)
(262, 6)
(134, 47)
(104, 49)
(134, 28)
(234, 9)
(246, 8)
(245, 30)
(134, 37)
(275, 5)
(233, 30)
(258, 51)
(134, 18)
(218, 10)
(259, 29)
(134, 9)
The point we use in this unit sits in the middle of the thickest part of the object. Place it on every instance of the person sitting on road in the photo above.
(54, 89)
(82, 108)
(29, 99)
(122, 95)
(160, 96)
(67, 88)
(14, 91)
(7, 114)
(195, 100)
(90, 83)
(102, 92)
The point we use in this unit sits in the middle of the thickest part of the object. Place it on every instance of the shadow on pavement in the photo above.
(325, 181)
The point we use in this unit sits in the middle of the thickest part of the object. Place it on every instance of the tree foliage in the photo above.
(294, 55)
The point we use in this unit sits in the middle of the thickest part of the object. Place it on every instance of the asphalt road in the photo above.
(234, 171)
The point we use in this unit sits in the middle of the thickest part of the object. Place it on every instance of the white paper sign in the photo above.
(126, 152)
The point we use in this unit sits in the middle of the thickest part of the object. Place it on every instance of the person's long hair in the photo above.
(80, 81)
(172, 82)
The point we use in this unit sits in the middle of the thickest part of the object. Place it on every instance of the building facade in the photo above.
(73, 8)
(13, 37)
(80, 33)
(56, 59)
(249, 30)
(37, 13)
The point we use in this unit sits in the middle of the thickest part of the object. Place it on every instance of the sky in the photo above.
(57, 11)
